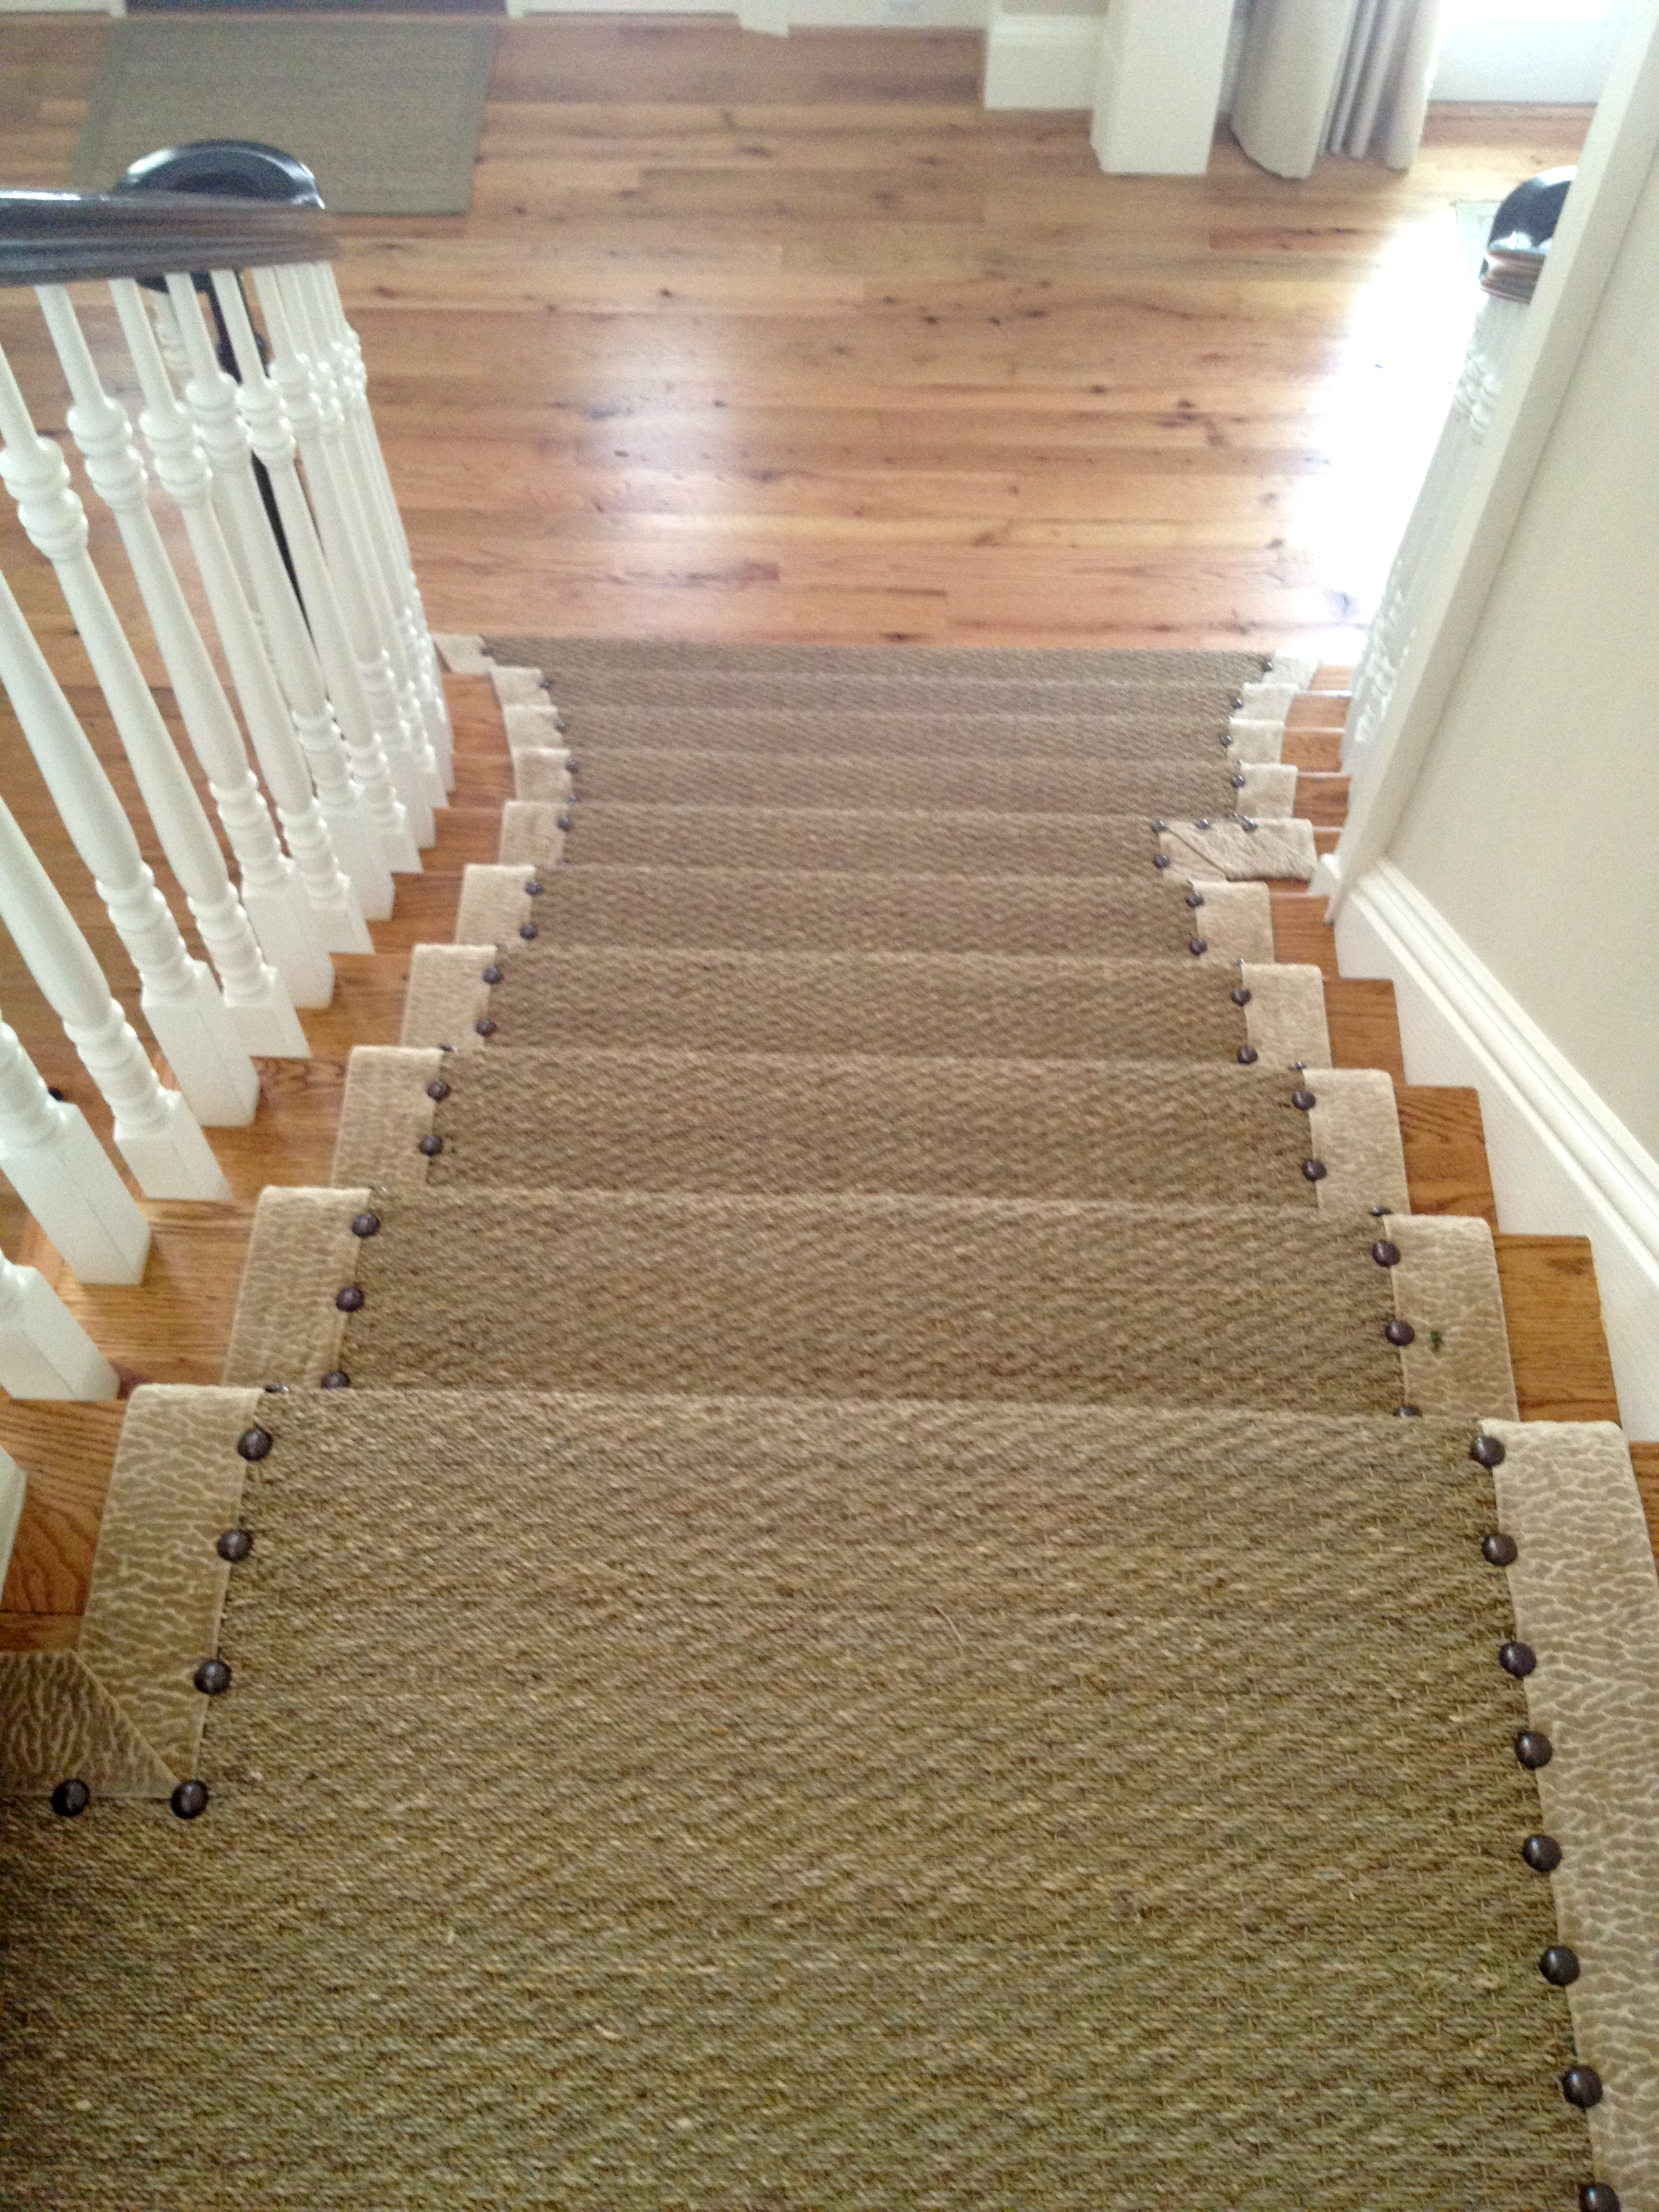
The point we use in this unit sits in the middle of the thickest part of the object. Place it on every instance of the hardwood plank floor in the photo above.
(753, 338)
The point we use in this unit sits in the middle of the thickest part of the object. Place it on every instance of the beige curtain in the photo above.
(1339, 76)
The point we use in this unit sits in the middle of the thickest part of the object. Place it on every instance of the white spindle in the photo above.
(316, 281)
(213, 399)
(155, 1133)
(181, 1003)
(211, 396)
(359, 513)
(315, 416)
(183, 469)
(273, 890)
(273, 442)
(257, 994)
(44, 1350)
(64, 1176)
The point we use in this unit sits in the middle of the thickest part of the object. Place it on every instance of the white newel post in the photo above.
(315, 281)
(155, 1133)
(273, 443)
(315, 416)
(180, 1001)
(211, 398)
(256, 995)
(44, 1350)
(182, 467)
(64, 1176)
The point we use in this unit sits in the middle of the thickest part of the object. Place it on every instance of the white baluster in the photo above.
(155, 1133)
(293, 656)
(180, 1002)
(213, 397)
(44, 1350)
(315, 416)
(64, 1176)
(257, 994)
(315, 280)
(182, 467)
(359, 513)
(273, 442)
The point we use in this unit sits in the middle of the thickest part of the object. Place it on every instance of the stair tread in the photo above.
(761, 1123)
(873, 1297)
(778, 910)
(993, 1005)
(1005, 782)
(872, 841)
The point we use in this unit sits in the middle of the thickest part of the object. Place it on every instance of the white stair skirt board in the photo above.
(1562, 1165)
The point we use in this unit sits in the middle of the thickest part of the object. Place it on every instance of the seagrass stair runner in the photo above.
(863, 1557)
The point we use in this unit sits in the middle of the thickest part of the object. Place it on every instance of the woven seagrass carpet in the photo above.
(1094, 734)
(386, 115)
(858, 1297)
(827, 910)
(882, 1002)
(970, 842)
(1003, 1677)
(1155, 671)
(660, 776)
(722, 1122)
(811, 1806)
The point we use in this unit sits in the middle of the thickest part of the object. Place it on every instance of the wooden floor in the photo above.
(749, 338)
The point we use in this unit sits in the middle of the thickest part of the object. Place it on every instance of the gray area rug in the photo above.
(386, 114)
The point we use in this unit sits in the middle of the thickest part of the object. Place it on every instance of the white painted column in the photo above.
(316, 424)
(64, 1176)
(257, 994)
(211, 396)
(182, 467)
(328, 319)
(155, 1133)
(272, 437)
(44, 1350)
(181, 1001)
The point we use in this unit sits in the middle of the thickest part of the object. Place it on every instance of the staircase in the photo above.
(880, 1521)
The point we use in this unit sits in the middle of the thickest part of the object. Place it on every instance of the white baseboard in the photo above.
(1562, 1163)
(63, 6)
(1041, 61)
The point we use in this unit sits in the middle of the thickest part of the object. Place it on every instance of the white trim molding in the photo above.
(1041, 60)
(1562, 1163)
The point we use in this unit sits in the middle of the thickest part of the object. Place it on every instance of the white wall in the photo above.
(1534, 825)
(1501, 862)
